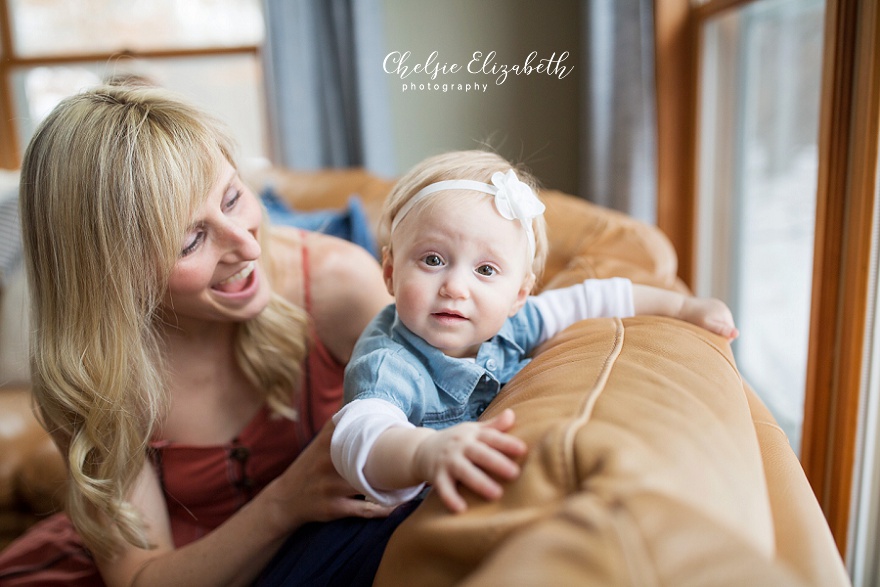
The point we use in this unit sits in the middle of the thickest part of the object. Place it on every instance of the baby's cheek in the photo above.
(410, 298)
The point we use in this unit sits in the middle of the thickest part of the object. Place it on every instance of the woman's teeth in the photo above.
(240, 276)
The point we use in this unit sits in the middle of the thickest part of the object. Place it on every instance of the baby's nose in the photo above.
(454, 286)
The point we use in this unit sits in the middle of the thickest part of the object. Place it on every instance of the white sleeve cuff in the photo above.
(593, 298)
(358, 425)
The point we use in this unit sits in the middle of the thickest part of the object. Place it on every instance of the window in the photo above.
(756, 203)
(207, 50)
(727, 149)
(865, 532)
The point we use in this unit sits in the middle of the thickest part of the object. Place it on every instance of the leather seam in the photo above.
(770, 425)
(586, 409)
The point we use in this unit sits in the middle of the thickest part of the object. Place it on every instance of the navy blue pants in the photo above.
(344, 553)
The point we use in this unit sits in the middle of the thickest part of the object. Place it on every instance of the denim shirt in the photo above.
(391, 363)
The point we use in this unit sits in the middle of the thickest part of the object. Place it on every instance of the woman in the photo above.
(184, 354)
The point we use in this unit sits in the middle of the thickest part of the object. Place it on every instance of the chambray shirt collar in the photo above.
(457, 377)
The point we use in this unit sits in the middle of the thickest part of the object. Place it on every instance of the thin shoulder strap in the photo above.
(307, 286)
(306, 433)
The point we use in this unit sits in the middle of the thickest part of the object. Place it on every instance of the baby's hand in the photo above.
(471, 454)
(711, 314)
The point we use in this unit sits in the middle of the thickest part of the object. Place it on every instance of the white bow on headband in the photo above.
(514, 199)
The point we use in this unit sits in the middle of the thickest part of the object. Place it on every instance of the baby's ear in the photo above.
(388, 268)
(523, 294)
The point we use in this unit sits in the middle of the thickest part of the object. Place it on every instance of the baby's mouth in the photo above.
(447, 315)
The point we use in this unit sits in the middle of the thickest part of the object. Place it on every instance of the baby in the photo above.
(465, 241)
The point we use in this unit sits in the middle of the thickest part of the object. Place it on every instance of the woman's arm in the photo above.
(234, 553)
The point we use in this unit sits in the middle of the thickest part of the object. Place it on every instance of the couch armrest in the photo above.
(31, 470)
(646, 467)
(589, 241)
(803, 539)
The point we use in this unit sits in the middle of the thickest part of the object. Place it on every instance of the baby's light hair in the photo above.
(475, 165)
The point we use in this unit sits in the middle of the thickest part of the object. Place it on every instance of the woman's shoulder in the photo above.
(328, 257)
(343, 280)
(285, 262)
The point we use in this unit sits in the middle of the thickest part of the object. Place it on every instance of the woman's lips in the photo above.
(239, 282)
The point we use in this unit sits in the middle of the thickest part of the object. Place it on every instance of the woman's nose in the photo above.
(240, 242)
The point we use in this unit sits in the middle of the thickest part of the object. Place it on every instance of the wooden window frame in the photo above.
(10, 149)
(848, 143)
(848, 140)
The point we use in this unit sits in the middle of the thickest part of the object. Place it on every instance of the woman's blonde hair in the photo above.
(472, 165)
(109, 184)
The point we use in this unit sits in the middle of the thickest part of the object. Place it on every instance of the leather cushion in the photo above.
(615, 413)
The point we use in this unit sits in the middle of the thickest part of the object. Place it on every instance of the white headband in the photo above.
(514, 199)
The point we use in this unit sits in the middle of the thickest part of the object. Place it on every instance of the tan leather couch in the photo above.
(651, 462)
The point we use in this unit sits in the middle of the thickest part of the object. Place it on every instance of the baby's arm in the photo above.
(618, 297)
(358, 425)
(471, 453)
(593, 298)
(708, 313)
(386, 458)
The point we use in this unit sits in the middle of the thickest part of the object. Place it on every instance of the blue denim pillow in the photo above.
(349, 223)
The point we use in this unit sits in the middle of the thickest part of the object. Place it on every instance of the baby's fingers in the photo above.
(475, 479)
(502, 442)
(445, 486)
(723, 327)
(503, 421)
(731, 333)
(493, 462)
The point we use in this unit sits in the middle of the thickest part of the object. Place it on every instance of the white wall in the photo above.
(531, 119)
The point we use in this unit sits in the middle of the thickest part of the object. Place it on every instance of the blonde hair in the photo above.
(109, 184)
(473, 165)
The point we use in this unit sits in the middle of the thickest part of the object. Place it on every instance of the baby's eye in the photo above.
(433, 261)
(486, 270)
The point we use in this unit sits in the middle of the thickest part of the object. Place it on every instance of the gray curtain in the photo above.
(327, 96)
(618, 128)
(10, 236)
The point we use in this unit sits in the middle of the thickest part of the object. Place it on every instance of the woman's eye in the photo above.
(433, 261)
(192, 244)
(486, 270)
(233, 200)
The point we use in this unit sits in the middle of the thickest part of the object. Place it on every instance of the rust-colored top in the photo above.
(203, 485)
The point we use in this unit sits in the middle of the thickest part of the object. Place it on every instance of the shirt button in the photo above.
(491, 364)
(239, 453)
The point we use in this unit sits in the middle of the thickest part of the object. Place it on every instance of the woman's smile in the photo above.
(219, 276)
(239, 281)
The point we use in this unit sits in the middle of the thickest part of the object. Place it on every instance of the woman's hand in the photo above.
(310, 489)
(472, 454)
(233, 554)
